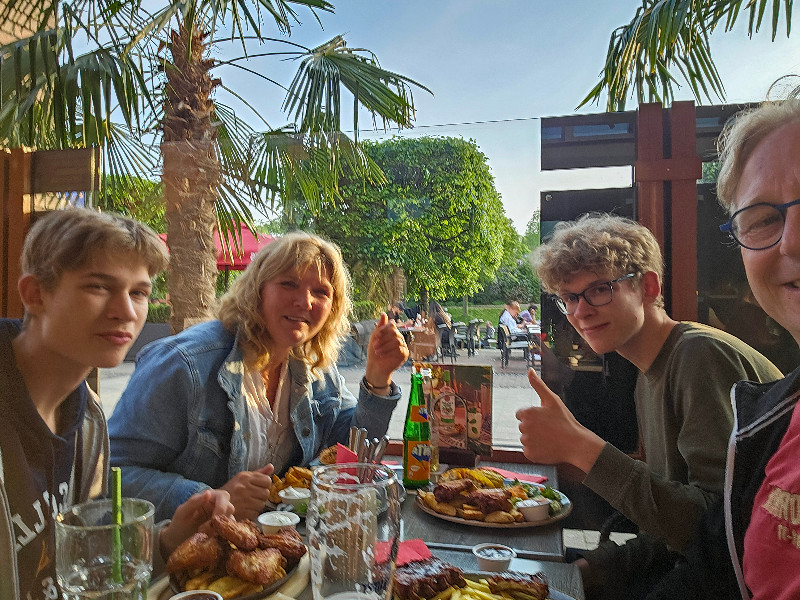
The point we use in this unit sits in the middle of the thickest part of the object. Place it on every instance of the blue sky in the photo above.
(511, 61)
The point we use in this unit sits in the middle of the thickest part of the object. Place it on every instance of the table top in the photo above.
(538, 548)
(538, 543)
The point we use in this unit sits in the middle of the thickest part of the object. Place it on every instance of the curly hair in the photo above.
(600, 243)
(66, 240)
(739, 138)
(240, 308)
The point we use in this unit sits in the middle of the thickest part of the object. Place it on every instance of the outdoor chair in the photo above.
(506, 343)
(460, 332)
(472, 336)
(447, 347)
(361, 332)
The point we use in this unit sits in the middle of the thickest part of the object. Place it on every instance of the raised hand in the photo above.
(191, 515)
(550, 434)
(249, 491)
(386, 352)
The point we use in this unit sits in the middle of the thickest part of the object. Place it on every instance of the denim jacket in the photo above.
(180, 426)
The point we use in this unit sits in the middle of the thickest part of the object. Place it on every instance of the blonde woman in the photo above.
(225, 403)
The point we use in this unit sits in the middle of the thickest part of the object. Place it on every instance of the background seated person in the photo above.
(509, 318)
(489, 335)
(86, 279)
(529, 315)
(224, 403)
(398, 315)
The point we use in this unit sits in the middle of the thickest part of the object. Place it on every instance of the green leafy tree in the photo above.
(669, 38)
(151, 68)
(140, 198)
(514, 278)
(531, 239)
(439, 218)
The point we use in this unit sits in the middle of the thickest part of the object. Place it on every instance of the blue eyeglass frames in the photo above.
(758, 226)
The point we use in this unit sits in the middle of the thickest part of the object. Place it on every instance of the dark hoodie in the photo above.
(37, 465)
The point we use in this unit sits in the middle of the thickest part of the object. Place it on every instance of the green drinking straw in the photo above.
(116, 513)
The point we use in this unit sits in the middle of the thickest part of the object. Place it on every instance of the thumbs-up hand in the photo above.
(249, 491)
(550, 434)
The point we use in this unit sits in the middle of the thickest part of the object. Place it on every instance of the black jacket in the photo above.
(713, 566)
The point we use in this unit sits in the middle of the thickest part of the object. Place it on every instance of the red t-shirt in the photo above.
(772, 541)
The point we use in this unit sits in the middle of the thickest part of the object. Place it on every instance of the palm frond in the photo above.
(673, 35)
(314, 99)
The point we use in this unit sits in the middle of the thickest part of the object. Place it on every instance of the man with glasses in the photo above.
(747, 544)
(605, 272)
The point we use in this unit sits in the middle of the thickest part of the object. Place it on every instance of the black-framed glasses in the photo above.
(598, 294)
(758, 226)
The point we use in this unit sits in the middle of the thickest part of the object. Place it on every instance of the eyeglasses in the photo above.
(598, 294)
(758, 226)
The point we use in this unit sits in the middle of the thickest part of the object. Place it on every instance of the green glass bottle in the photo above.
(416, 438)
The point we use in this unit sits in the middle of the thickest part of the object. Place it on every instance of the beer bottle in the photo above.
(416, 438)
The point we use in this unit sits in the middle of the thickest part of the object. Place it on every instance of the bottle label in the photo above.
(417, 460)
(419, 414)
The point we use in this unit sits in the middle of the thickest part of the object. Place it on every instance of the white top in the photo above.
(510, 322)
(269, 438)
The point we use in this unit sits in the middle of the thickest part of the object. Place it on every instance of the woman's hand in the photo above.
(551, 434)
(191, 515)
(249, 491)
(386, 352)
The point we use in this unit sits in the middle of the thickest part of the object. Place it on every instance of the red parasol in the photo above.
(233, 260)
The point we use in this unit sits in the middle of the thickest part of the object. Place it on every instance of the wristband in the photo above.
(372, 389)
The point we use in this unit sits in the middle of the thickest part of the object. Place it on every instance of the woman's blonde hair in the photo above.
(741, 135)
(599, 243)
(240, 308)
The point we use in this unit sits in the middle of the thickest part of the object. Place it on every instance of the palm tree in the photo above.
(92, 61)
(669, 36)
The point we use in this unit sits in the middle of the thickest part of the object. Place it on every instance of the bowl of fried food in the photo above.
(235, 559)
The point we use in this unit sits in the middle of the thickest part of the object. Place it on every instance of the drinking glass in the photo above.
(97, 559)
(353, 524)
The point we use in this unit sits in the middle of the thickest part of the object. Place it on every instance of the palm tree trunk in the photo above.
(191, 175)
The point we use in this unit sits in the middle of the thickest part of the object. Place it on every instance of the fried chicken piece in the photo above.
(489, 501)
(242, 534)
(197, 552)
(258, 566)
(448, 490)
(425, 578)
(512, 581)
(287, 541)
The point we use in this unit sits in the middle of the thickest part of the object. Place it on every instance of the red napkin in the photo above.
(345, 455)
(521, 476)
(408, 551)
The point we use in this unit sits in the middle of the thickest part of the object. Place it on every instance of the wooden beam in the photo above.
(650, 148)
(16, 219)
(683, 209)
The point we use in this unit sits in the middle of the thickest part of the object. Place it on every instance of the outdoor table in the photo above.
(544, 542)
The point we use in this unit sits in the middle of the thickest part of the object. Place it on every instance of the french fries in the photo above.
(478, 590)
(232, 587)
(299, 477)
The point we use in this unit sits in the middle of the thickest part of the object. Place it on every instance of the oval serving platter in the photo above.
(566, 508)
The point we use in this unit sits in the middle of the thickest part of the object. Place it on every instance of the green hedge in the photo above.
(158, 312)
(364, 310)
